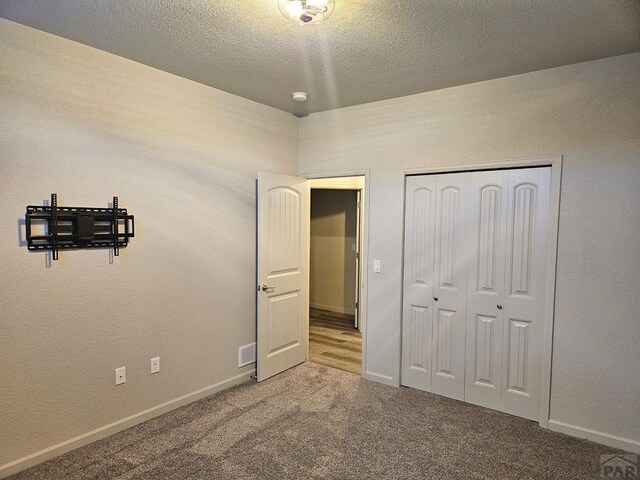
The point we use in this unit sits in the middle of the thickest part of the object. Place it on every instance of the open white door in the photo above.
(283, 273)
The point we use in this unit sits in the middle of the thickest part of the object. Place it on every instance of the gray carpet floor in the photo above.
(315, 422)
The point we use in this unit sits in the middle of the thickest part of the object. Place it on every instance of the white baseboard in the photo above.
(595, 436)
(117, 426)
(332, 308)
(384, 379)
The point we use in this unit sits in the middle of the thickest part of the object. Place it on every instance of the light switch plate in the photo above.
(377, 266)
(155, 365)
(121, 375)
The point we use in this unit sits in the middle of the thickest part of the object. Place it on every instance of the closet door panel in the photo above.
(419, 254)
(528, 207)
(487, 220)
(474, 275)
(451, 257)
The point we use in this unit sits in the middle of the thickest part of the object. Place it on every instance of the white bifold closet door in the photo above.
(485, 301)
(417, 302)
(475, 256)
(435, 283)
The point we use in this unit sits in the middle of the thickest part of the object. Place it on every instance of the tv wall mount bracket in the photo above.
(78, 227)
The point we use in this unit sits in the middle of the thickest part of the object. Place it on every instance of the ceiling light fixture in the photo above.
(306, 12)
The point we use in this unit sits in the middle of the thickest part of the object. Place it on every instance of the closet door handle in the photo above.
(499, 307)
(435, 299)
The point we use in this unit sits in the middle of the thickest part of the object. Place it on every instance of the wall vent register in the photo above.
(77, 227)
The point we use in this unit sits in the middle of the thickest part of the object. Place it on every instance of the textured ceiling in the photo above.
(367, 50)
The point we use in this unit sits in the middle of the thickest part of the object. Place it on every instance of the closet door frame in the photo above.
(555, 162)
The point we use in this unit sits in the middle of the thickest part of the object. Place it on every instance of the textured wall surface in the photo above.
(183, 158)
(332, 273)
(590, 114)
(367, 50)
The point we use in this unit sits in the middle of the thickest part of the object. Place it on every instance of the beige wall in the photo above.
(590, 114)
(183, 158)
(333, 261)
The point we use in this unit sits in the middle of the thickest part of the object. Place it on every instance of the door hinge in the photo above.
(357, 305)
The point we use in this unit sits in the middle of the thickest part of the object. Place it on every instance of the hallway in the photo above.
(333, 341)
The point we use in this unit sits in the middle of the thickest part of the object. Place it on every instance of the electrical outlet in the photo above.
(155, 365)
(121, 375)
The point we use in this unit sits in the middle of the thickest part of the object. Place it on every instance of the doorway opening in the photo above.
(335, 273)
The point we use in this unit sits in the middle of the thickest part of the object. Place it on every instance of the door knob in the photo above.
(435, 299)
(268, 288)
(499, 307)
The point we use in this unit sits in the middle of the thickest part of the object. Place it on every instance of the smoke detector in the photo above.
(299, 96)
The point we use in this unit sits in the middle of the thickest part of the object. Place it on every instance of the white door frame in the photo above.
(555, 162)
(351, 184)
(364, 240)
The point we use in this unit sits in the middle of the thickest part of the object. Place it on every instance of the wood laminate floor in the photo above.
(333, 341)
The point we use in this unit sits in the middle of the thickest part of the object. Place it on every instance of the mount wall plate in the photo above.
(78, 227)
